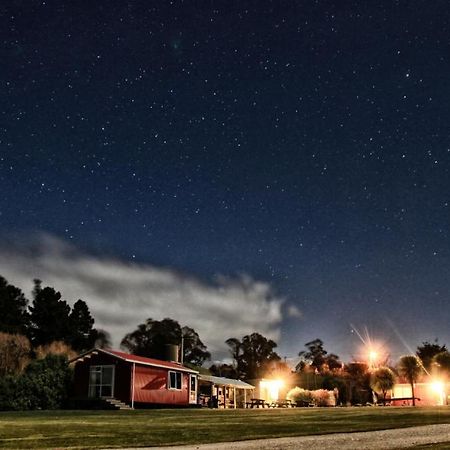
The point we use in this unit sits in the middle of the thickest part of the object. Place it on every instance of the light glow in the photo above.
(271, 388)
(438, 388)
(372, 351)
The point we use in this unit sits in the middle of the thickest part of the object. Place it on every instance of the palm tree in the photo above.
(382, 379)
(409, 367)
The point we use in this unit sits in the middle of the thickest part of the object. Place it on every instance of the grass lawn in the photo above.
(96, 429)
(440, 446)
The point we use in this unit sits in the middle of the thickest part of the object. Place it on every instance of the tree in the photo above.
(332, 362)
(194, 351)
(102, 338)
(13, 309)
(252, 355)
(442, 362)
(382, 380)
(152, 337)
(315, 356)
(49, 316)
(409, 367)
(427, 351)
(82, 335)
(14, 353)
(223, 370)
(357, 378)
(318, 358)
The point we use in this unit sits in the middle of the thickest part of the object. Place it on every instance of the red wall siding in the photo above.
(151, 387)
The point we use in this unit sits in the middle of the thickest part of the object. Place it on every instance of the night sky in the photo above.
(301, 145)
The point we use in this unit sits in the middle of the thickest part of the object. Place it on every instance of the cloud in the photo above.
(294, 311)
(122, 295)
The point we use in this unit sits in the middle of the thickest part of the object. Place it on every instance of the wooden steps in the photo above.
(117, 404)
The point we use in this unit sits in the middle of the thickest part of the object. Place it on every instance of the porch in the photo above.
(220, 392)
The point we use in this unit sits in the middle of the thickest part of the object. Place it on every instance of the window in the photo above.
(174, 380)
(101, 380)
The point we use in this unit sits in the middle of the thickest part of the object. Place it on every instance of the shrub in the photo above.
(14, 353)
(55, 348)
(322, 397)
(44, 385)
(299, 395)
(47, 382)
(8, 393)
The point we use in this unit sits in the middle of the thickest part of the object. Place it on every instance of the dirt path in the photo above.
(370, 440)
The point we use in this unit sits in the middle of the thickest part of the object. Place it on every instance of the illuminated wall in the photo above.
(433, 393)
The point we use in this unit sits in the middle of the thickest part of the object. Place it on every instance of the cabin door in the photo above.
(192, 389)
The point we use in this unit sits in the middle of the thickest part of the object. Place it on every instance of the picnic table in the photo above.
(405, 400)
(303, 403)
(257, 403)
(282, 404)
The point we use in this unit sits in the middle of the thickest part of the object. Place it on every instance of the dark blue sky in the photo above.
(304, 143)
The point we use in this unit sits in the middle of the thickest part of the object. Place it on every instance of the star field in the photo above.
(304, 143)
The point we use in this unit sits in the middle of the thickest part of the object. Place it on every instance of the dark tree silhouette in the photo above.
(428, 350)
(82, 334)
(223, 370)
(13, 309)
(151, 338)
(441, 362)
(252, 355)
(49, 316)
(357, 377)
(318, 358)
(194, 351)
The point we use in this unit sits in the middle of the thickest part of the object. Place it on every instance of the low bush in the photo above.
(44, 385)
(304, 397)
(300, 395)
(322, 397)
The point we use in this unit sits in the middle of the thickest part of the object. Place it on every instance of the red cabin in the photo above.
(136, 381)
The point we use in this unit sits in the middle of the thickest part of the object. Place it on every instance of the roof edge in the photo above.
(111, 353)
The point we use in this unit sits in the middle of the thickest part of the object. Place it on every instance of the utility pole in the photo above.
(182, 350)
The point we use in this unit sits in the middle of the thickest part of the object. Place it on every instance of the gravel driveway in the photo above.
(369, 440)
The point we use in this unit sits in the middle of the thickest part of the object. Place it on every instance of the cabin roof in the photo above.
(221, 381)
(135, 359)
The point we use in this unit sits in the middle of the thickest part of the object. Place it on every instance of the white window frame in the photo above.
(101, 367)
(169, 384)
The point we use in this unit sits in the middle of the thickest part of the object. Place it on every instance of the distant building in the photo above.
(427, 393)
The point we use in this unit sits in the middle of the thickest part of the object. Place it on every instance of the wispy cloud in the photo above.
(294, 312)
(121, 295)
